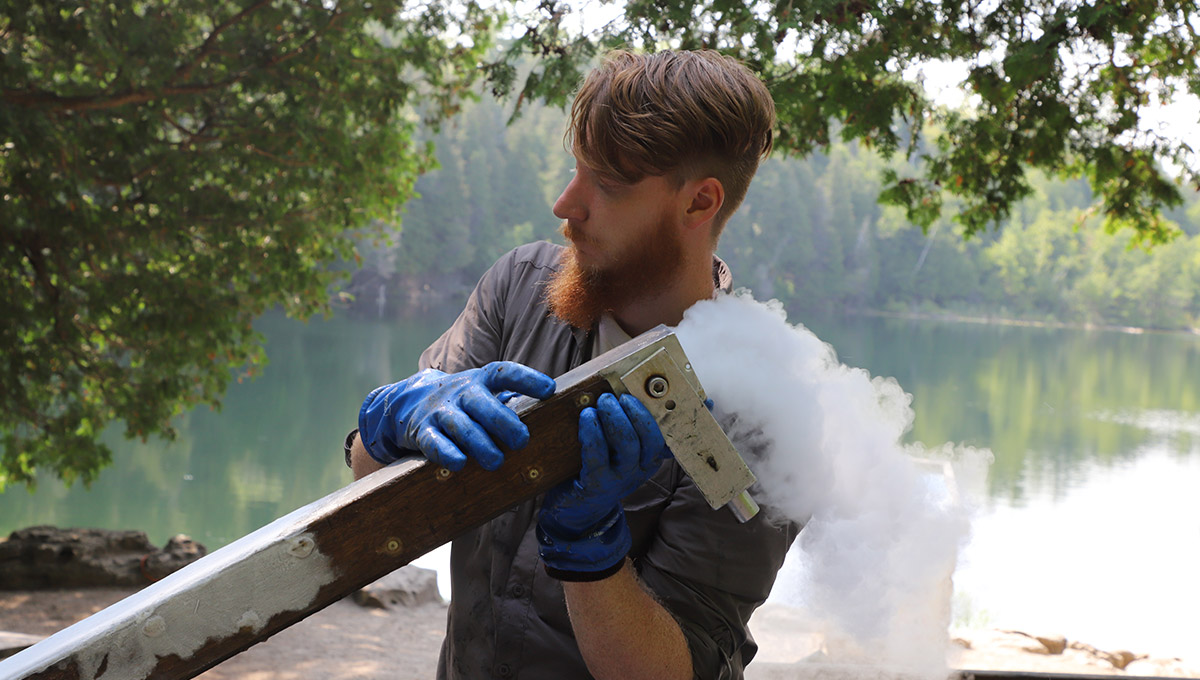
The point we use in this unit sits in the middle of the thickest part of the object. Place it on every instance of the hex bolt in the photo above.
(657, 386)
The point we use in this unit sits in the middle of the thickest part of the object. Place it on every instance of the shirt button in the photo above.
(504, 670)
(518, 590)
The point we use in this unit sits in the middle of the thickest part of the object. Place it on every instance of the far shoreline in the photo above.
(954, 317)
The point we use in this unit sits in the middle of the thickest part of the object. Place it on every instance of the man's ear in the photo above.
(707, 196)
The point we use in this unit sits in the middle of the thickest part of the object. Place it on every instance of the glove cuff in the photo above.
(592, 556)
(583, 576)
(377, 426)
(369, 426)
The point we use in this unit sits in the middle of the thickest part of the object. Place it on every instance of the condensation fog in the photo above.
(872, 568)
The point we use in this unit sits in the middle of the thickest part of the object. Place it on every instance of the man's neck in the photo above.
(667, 306)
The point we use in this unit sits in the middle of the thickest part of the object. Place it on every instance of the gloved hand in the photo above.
(581, 531)
(450, 417)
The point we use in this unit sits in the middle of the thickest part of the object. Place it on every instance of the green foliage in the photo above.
(169, 170)
(1059, 87)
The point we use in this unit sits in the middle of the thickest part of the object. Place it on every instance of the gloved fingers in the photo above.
(593, 446)
(470, 437)
(623, 442)
(425, 378)
(497, 420)
(438, 448)
(505, 396)
(648, 432)
(509, 375)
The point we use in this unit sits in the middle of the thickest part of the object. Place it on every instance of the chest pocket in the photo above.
(644, 506)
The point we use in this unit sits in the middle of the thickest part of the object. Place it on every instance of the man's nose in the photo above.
(571, 204)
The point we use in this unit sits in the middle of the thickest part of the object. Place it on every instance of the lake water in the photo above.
(1088, 523)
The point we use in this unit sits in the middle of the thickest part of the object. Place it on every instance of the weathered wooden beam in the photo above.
(264, 582)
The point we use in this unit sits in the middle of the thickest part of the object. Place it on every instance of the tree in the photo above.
(1058, 85)
(169, 170)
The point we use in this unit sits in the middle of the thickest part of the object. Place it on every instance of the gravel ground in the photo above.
(347, 641)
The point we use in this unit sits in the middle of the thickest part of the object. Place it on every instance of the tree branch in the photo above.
(277, 159)
(210, 42)
(43, 99)
(191, 135)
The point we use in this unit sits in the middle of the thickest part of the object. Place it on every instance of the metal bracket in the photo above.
(700, 446)
(654, 368)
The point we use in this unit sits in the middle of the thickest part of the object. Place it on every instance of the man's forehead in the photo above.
(611, 167)
(604, 172)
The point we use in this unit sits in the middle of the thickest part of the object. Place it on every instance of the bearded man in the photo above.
(623, 572)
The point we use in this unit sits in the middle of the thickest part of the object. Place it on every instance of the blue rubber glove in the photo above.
(450, 417)
(581, 531)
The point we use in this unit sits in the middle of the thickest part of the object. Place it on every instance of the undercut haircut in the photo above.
(682, 115)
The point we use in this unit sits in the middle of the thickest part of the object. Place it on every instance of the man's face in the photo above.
(623, 244)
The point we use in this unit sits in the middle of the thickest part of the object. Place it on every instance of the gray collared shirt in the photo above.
(507, 617)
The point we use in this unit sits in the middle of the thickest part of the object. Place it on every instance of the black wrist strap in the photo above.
(348, 444)
(583, 576)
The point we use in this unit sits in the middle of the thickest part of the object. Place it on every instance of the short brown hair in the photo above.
(681, 114)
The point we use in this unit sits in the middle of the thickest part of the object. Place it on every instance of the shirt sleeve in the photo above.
(474, 338)
(711, 572)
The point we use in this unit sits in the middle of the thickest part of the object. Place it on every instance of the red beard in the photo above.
(580, 294)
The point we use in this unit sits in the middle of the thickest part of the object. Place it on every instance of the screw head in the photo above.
(657, 386)
(301, 546)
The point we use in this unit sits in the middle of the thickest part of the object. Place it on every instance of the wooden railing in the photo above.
(255, 587)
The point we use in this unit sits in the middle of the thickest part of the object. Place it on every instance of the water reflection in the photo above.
(1045, 401)
(275, 444)
(1035, 396)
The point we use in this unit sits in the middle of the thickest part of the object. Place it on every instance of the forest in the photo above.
(811, 233)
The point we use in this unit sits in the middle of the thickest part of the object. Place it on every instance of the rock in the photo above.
(1122, 658)
(44, 557)
(1021, 641)
(1054, 644)
(1039, 644)
(179, 552)
(406, 587)
(1119, 659)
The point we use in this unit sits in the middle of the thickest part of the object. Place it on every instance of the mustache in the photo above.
(572, 234)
